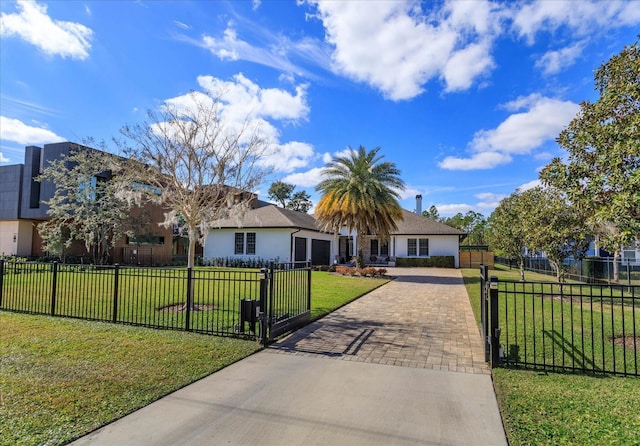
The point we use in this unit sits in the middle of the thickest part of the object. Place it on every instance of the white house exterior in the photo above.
(268, 232)
(416, 237)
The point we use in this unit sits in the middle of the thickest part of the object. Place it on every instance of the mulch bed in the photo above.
(626, 341)
(179, 308)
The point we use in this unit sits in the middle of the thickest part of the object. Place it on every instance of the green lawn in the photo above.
(540, 408)
(61, 378)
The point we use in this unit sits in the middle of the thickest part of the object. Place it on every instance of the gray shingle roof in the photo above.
(414, 224)
(268, 215)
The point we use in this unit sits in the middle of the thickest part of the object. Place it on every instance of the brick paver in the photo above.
(422, 319)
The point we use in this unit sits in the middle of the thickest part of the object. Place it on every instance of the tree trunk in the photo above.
(521, 269)
(616, 267)
(191, 255)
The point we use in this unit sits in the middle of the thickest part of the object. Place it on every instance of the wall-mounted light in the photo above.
(15, 238)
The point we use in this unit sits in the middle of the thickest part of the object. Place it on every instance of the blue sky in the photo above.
(466, 97)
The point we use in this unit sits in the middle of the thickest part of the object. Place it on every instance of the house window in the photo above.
(374, 247)
(384, 249)
(251, 243)
(418, 247)
(423, 248)
(239, 244)
(412, 247)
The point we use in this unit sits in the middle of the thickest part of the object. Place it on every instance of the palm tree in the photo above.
(361, 193)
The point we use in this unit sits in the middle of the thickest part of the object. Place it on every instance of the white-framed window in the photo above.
(418, 247)
(244, 243)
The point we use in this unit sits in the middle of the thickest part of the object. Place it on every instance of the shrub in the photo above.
(433, 261)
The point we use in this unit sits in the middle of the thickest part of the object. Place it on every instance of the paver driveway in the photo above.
(421, 319)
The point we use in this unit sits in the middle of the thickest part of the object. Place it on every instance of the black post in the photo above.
(495, 330)
(1, 279)
(484, 310)
(309, 285)
(54, 286)
(116, 281)
(264, 286)
(187, 319)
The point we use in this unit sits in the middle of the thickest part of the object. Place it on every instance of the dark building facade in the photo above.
(23, 208)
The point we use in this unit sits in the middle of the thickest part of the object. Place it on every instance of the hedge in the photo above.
(434, 261)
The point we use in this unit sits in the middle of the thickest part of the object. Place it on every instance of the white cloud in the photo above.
(245, 98)
(522, 132)
(243, 104)
(553, 62)
(529, 185)
(17, 131)
(53, 37)
(181, 25)
(483, 160)
(3, 159)
(272, 50)
(309, 178)
(466, 65)
(290, 156)
(453, 209)
(397, 47)
(582, 17)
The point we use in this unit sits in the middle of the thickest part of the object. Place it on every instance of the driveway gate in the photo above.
(284, 303)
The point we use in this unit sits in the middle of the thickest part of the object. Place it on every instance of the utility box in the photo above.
(249, 313)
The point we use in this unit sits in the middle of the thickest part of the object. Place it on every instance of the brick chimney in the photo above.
(419, 204)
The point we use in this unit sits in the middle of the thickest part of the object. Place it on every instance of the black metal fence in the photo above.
(589, 270)
(206, 300)
(577, 327)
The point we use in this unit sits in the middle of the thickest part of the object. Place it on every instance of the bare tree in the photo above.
(196, 163)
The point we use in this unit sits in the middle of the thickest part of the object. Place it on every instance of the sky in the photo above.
(466, 97)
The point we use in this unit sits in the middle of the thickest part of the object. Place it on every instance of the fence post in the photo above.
(495, 330)
(187, 319)
(116, 281)
(484, 310)
(54, 286)
(1, 279)
(309, 285)
(264, 286)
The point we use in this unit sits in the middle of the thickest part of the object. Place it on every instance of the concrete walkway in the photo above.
(402, 365)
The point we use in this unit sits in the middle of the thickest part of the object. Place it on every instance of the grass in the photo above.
(548, 408)
(61, 378)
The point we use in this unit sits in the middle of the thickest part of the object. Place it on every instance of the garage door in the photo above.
(320, 252)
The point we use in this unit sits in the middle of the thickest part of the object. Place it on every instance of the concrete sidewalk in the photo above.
(402, 365)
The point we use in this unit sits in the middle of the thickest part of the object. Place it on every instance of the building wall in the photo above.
(15, 237)
(10, 181)
(439, 245)
(271, 244)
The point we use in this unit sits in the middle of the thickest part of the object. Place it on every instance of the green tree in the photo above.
(360, 191)
(300, 202)
(506, 229)
(91, 203)
(600, 175)
(553, 226)
(198, 166)
(473, 223)
(432, 213)
(283, 193)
